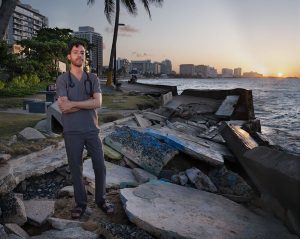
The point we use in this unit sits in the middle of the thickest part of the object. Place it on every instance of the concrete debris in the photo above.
(167, 210)
(145, 150)
(17, 230)
(70, 233)
(4, 158)
(38, 211)
(143, 176)
(231, 185)
(227, 107)
(31, 134)
(62, 224)
(201, 180)
(115, 175)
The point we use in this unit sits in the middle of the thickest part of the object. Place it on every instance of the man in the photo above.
(79, 95)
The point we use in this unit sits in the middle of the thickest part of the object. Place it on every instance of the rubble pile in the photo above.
(231, 170)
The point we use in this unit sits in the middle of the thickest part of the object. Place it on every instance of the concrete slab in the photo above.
(143, 176)
(142, 122)
(38, 211)
(115, 174)
(109, 152)
(61, 224)
(227, 107)
(204, 105)
(167, 210)
(145, 150)
(196, 147)
(237, 139)
(17, 230)
(69, 233)
(277, 174)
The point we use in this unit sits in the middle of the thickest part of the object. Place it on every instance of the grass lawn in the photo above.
(128, 102)
(11, 124)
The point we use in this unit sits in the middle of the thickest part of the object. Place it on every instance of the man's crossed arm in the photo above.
(67, 106)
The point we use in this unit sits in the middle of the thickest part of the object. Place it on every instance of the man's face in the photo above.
(77, 56)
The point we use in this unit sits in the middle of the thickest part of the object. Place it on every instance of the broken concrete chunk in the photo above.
(17, 230)
(155, 117)
(199, 150)
(13, 209)
(143, 176)
(38, 211)
(167, 210)
(31, 134)
(4, 158)
(115, 174)
(110, 153)
(61, 224)
(231, 184)
(67, 191)
(144, 150)
(70, 233)
(201, 180)
(142, 122)
(227, 107)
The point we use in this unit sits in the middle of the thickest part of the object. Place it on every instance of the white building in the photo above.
(237, 72)
(96, 53)
(227, 72)
(123, 64)
(187, 69)
(24, 23)
(143, 67)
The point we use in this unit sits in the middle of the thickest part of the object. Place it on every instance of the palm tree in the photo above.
(7, 8)
(113, 7)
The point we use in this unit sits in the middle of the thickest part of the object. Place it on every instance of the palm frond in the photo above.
(109, 9)
(146, 6)
(130, 6)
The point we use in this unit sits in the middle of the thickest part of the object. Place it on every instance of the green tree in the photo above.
(112, 7)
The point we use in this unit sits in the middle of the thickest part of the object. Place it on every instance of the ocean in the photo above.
(276, 103)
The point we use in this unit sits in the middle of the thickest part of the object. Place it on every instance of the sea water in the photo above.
(276, 103)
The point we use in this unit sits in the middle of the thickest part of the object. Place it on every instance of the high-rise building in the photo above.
(166, 67)
(123, 64)
(237, 72)
(96, 53)
(142, 66)
(187, 69)
(227, 72)
(24, 23)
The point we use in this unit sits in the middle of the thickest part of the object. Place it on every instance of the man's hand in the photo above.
(65, 105)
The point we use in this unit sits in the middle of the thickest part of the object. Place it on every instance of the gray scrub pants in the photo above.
(74, 144)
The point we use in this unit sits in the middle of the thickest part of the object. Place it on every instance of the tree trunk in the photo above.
(6, 10)
(114, 44)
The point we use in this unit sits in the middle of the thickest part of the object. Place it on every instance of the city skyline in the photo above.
(254, 35)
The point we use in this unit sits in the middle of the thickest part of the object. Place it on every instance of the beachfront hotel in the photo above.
(24, 23)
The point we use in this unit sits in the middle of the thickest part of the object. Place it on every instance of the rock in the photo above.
(69, 233)
(3, 234)
(62, 224)
(42, 126)
(4, 158)
(183, 179)
(142, 176)
(230, 183)
(7, 179)
(17, 230)
(31, 134)
(166, 210)
(201, 180)
(115, 174)
(109, 152)
(38, 211)
(67, 191)
(13, 209)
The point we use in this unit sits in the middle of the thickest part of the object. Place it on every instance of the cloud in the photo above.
(125, 31)
(139, 55)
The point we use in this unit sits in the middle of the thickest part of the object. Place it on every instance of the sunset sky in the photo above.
(256, 35)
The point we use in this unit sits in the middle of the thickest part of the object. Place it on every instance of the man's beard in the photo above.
(79, 64)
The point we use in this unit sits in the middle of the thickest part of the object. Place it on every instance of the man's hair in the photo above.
(75, 43)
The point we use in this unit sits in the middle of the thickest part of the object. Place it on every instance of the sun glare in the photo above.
(279, 74)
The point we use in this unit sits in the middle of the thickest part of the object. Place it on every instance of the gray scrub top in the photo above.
(84, 120)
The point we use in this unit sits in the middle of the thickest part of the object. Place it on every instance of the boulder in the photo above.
(62, 224)
(143, 176)
(17, 230)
